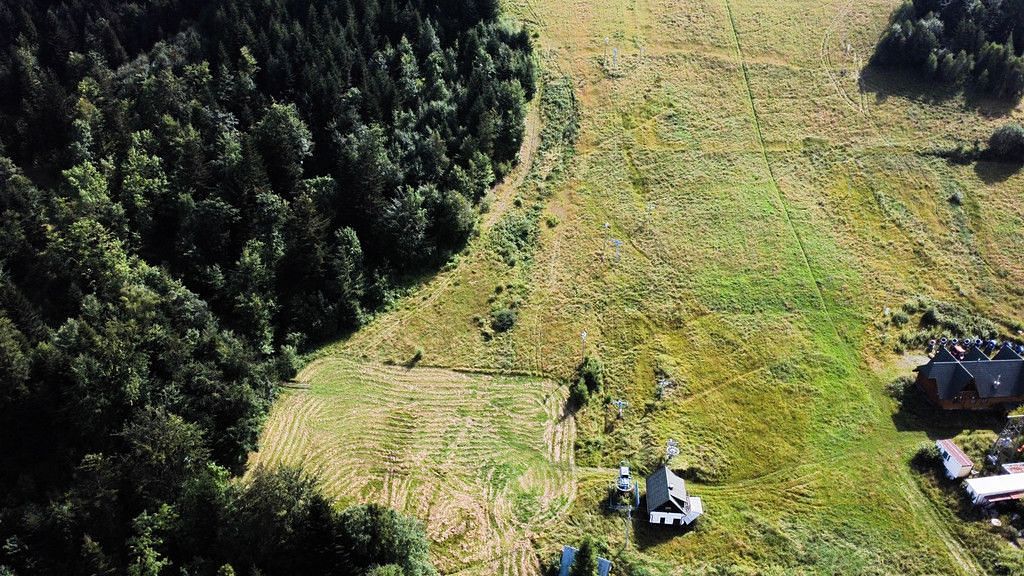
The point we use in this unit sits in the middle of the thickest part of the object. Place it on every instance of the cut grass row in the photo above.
(481, 459)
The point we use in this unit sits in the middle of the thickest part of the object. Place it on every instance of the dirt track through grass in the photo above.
(965, 562)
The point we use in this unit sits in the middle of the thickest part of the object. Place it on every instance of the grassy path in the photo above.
(771, 171)
(505, 191)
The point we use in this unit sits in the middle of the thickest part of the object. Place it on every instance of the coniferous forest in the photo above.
(971, 43)
(192, 193)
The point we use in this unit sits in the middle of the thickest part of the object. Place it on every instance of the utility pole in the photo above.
(583, 350)
(629, 522)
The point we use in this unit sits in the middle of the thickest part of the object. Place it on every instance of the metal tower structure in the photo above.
(1013, 428)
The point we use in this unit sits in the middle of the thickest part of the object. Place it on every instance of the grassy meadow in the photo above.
(480, 459)
(775, 201)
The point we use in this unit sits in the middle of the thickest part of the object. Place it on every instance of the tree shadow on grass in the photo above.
(993, 172)
(884, 82)
(916, 413)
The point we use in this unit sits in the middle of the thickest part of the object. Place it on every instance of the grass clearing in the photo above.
(773, 199)
(481, 459)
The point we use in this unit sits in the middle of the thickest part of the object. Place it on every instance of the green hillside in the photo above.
(778, 203)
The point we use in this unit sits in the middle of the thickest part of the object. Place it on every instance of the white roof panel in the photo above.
(995, 485)
(696, 509)
(696, 505)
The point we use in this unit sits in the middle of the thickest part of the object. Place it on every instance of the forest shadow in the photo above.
(987, 167)
(381, 302)
(883, 82)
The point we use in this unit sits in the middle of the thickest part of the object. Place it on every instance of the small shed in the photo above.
(667, 500)
(993, 489)
(625, 480)
(957, 464)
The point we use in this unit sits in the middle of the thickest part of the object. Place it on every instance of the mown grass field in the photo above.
(774, 200)
(480, 459)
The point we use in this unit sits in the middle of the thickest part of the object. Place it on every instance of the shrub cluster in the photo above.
(926, 457)
(919, 320)
(1007, 143)
(589, 381)
(503, 319)
(515, 236)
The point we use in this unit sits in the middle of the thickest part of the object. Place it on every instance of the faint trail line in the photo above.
(958, 554)
(826, 60)
(771, 174)
(505, 190)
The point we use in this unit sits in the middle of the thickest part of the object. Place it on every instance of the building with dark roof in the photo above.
(975, 382)
(667, 501)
